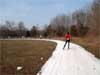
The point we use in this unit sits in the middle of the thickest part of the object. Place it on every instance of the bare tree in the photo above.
(80, 18)
(74, 30)
(7, 29)
(34, 31)
(21, 31)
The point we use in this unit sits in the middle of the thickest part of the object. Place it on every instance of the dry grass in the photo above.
(92, 45)
(25, 53)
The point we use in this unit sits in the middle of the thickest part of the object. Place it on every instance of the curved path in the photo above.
(75, 61)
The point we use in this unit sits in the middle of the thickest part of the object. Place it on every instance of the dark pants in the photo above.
(67, 41)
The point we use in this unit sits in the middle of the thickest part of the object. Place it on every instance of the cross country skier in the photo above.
(67, 38)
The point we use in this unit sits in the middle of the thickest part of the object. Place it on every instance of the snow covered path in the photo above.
(75, 61)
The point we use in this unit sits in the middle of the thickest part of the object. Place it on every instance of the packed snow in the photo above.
(73, 61)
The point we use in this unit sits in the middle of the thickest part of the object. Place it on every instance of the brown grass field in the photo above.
(92, 45)
(25, 53)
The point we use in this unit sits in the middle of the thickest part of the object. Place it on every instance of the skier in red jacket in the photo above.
(67, 38)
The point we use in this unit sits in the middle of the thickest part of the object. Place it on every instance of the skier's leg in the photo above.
(65, 44)
(68, 44)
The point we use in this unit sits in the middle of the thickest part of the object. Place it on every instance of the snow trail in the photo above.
(73, 61)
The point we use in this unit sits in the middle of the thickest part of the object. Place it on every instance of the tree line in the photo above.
(82, 22)
(11, 29)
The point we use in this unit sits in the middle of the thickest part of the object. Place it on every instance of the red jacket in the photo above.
(67, 36)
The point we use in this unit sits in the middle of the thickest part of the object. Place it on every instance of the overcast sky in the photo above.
(40, 12)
